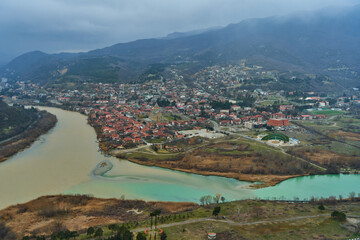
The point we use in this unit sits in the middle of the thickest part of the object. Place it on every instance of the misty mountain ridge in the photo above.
(189, 33)
(318, 42)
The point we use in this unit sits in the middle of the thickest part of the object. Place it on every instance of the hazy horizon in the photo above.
(55, 26)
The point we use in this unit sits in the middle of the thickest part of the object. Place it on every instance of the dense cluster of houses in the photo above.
(132, 114)
(125, 126)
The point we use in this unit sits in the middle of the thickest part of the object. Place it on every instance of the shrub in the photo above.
(90, 231)
(141, 236)
(52, 211)
(99, 232)
(216, 211)
(6, 233)
(163, 236)
(339, 216)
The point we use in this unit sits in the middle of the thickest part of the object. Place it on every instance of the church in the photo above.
(156, 115)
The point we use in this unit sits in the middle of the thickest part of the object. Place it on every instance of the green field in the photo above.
(248, 211)
(331, 139)
(252, 219)
(149, 156)
(318, 228)
(328, 112)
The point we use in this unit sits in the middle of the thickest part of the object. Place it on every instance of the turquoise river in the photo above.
(62, 161)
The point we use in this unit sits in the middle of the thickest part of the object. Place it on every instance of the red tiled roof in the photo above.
(278, 122)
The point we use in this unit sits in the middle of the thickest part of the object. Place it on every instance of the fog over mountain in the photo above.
(309, 42)
(72, 26)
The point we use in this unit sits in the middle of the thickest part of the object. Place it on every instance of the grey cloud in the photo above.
(55, 25)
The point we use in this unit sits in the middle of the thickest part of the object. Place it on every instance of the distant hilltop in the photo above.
(321, 42)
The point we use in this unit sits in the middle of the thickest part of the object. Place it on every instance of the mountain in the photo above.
(190, 33)
(322, 42)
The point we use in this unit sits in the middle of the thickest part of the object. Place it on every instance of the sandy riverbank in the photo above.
(260, 181)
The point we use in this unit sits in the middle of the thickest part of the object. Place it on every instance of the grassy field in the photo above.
(328, 112)
(248, 219)
(334, 143)
(253, 219)
(348, 124)
(340, 135)
(254, 211)
(232, 156)
(150, 156)
(169, 118)
(307, 229)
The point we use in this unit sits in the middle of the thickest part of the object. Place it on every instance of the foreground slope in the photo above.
(250, 219)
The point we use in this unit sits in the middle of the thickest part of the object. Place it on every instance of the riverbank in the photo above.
(236, 158)
(69, 153)
(24, 140)
(260, 181)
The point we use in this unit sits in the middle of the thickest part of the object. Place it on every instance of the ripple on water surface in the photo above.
(63, 160)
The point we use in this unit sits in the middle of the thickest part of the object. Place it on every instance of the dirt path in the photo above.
(234, 223)
(116, 152)
(311, 129)
(217, 128)
(281, 149)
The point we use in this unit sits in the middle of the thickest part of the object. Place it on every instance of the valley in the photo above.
(245, 130)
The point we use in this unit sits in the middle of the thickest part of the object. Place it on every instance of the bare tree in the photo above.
(352, 196)
(202, 200)
(238, 209)
(208, 199)
(217, 198)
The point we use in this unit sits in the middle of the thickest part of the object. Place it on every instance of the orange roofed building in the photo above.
(278, 122)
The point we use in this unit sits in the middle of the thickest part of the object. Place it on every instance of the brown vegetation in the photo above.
(235, 161)
(330, 160)
(25, 139)
(45, 214)
(351, 136)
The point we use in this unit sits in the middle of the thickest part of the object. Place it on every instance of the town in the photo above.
(159, 110)
(214, 125)
(174, 120)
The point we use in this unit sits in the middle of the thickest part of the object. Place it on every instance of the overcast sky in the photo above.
(80, 25)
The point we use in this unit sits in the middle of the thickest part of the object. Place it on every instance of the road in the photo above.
(217, 129)
(234, 223)
(115, 152)
(282, 150)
